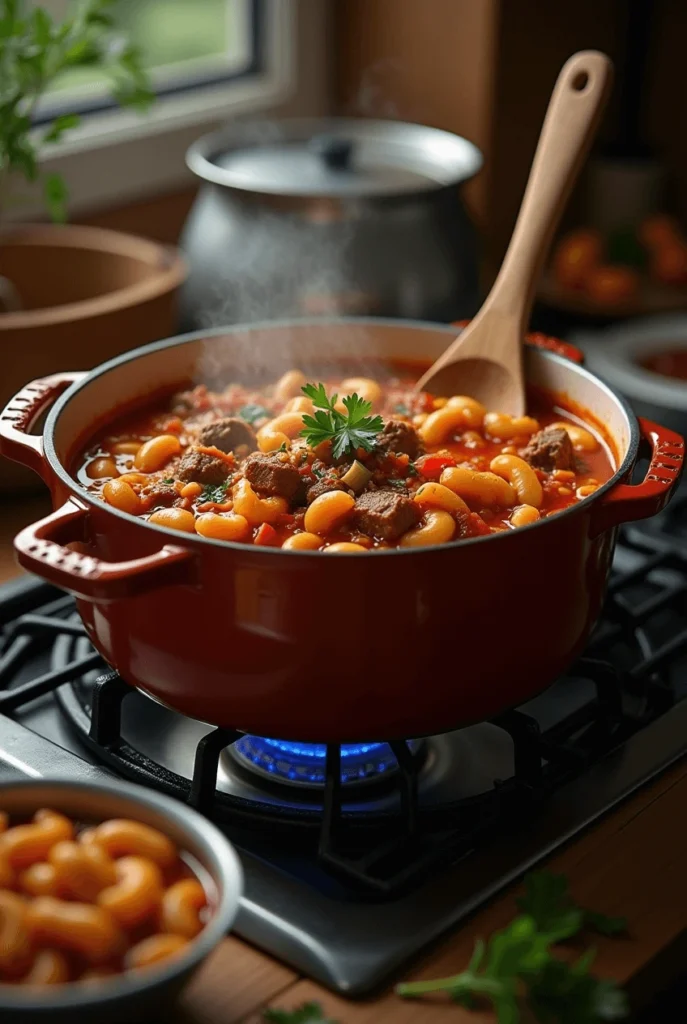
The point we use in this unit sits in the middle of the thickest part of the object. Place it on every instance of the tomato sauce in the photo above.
(219, 463)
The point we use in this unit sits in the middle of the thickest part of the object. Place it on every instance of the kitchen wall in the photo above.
(486, 69)
(483, 69)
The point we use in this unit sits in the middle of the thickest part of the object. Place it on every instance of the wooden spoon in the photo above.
(486, 360)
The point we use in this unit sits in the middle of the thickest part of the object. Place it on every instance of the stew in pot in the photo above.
(343, 465)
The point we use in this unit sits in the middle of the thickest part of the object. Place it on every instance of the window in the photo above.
(185, 44)
(210, 61)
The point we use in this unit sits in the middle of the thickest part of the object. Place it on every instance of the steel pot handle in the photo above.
(22, 411)
(561, 348)
(627, 502)
(41, 549)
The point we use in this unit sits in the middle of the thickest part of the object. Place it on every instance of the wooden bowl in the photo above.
(87, 294)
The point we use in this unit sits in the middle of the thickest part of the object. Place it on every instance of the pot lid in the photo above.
(335, 157)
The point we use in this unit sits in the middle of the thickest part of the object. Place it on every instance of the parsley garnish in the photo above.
(517, 967)
(548, 902)
(308, 1013)
(251, 413)
(356, 429)
(216, 494)
(168, 480)
(400, 485)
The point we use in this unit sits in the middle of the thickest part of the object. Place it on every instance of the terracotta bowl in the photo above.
(85, 294)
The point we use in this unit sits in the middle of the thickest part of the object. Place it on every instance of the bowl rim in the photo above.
(195, 541)
(170, 270)
(127, 986)
(613, 354)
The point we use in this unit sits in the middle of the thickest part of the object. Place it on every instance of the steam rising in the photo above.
(302, 262)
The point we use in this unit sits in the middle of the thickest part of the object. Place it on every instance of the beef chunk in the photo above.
(200, 468)
(385, 514)
(322, 486)
(159, 495)
(228, 434)
(269, 474)
(400, 438)
(550, 449)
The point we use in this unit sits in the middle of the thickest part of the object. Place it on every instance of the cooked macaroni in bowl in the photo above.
(84, 903)
(350, 464)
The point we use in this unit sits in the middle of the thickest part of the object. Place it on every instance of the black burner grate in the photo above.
(629, 677)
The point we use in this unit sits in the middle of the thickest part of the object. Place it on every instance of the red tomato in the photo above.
(669, 264)
(432, 466)
(608, 285)
(659, 231)
(266, 536)
(577, 254)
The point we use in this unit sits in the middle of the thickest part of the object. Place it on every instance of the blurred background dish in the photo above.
(646, 360)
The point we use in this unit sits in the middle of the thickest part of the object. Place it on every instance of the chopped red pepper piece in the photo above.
(432, 466)
(266, 536)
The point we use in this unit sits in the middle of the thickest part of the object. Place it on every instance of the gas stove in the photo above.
(357, 857)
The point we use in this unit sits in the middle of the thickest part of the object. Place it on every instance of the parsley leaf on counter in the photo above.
(308, 1013)
(251, 413)
(347, 432)
(548, 901)
(518, 968)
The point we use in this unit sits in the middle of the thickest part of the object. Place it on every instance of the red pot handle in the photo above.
(41, 550)
(627, 502)
(561, 348)
(22, 411)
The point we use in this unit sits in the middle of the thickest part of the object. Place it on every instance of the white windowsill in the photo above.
(120, 156)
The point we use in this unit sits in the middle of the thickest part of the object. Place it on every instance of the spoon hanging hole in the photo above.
(580, 81)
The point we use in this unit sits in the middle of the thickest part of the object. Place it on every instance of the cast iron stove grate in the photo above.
(431, 841)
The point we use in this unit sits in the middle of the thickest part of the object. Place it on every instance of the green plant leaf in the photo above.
(603, 924)
(547, 901)
(56, 195)
(60, 125)
(42, 26)
(35, 50)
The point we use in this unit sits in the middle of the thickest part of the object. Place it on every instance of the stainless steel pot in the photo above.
(330, 217)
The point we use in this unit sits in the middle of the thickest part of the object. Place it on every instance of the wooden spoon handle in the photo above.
(574, 111)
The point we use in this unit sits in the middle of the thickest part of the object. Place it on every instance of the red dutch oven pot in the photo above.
(335, 648)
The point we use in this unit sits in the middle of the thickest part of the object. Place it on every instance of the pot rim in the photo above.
(614, 354)
(200, 156)
(192, 540)
(171, 269)
(229, 882)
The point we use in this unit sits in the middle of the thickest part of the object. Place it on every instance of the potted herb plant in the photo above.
(70, 296)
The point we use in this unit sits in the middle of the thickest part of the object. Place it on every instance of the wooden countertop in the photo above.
(634, 863)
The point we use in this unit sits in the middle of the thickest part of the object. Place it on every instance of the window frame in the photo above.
(117, 156)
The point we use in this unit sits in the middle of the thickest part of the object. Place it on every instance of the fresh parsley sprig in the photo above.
(347, 432)
(548, 902)
(518, 968)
